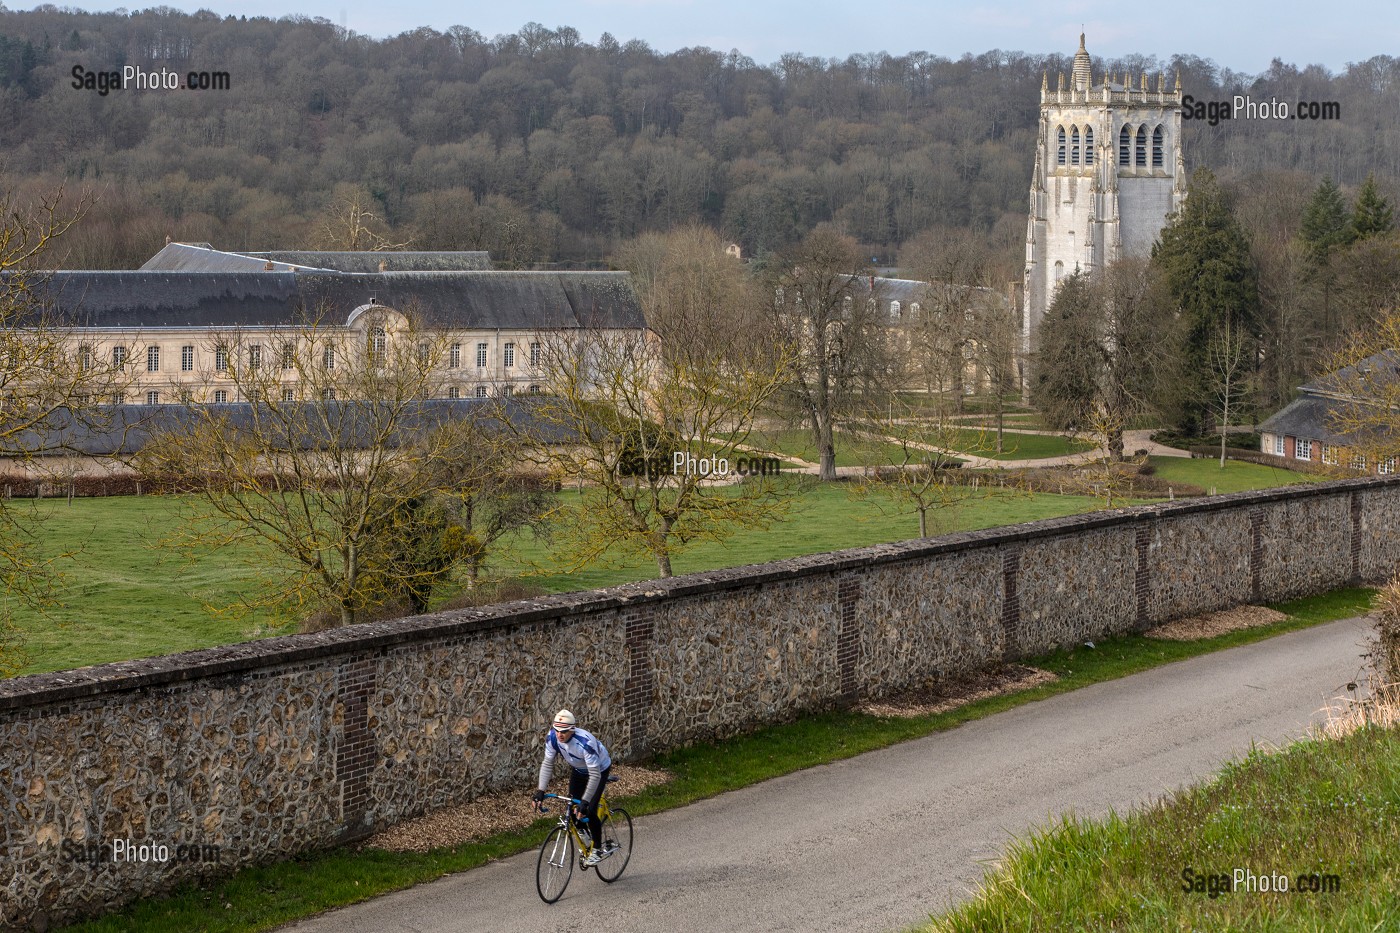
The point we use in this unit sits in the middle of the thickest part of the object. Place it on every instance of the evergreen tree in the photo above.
(1372, 215)
(1326, 224)
(1205, 260)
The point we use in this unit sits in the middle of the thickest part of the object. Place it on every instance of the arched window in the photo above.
(894, 310)
(1125, 146)
(1157, 147)
(1060, 159)
(1141, 149)
(1074, 145)
(1059, 272)
(1088, 145)
(376, 346)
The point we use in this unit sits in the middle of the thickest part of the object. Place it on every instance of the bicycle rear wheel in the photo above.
(617, 830)
(555, 866)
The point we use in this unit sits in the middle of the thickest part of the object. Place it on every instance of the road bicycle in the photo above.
(556, 862)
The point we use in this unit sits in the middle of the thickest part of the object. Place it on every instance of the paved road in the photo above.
(876, 842)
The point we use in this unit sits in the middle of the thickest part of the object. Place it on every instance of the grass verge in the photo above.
(265, 897)
(1316, 825)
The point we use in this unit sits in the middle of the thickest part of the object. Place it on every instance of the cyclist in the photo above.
(591, 765)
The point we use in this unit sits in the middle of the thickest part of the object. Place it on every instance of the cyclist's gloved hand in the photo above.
(539, 796)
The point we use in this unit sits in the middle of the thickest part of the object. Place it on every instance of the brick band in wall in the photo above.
(641, 683)
(1356, 523)
(1256, 555)
(355, 755)
(1142, 581)
(848, 641)
(1011, 604)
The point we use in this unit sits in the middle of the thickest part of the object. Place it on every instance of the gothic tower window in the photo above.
(1157, 147)
(1125, 146)
(1060, 160)
(1141, 148)
(1074, 145)
(1088, 145)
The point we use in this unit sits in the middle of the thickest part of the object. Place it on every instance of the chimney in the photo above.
(383, 265)
(267, 266)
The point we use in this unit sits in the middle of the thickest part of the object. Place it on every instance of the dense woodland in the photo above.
(542, 147)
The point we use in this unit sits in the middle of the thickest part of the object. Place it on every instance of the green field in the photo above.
(125, 596)
(1237, 476)
(1018, 446)
(854, 451)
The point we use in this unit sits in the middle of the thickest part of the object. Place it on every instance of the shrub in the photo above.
(1385, 656)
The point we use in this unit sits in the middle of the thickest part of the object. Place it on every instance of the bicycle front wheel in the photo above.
(556, 865)
(618, 831)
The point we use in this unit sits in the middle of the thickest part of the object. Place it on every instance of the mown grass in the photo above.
(265, 897)
(1237, 476)
(125, 597)
(1321, 810)
(1016, 446)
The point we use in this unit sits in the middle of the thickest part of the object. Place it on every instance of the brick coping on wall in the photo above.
(145, 673)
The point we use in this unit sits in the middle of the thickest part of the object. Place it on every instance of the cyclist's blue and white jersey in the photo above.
(583, 752)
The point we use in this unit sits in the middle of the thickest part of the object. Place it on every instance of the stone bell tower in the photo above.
(1108, 172)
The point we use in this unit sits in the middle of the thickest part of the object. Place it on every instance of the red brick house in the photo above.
(1308, 428)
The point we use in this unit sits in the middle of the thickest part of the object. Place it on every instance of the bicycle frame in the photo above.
(569, 822)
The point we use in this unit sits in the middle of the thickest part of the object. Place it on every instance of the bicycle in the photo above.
(555, 866)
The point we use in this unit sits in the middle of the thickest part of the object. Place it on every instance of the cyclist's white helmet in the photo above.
(564, 720)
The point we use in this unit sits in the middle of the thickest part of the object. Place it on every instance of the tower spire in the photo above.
(1082, 66)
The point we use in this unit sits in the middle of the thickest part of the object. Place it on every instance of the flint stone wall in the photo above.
(280, 746)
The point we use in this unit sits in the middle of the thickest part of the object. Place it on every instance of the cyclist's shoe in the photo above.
(593, 858)
(610, 847)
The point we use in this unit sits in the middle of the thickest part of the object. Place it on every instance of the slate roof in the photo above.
(201, 257)
(1307, 416)
(394, 260)
(123, 430)
(1383, 367)
(457, 300)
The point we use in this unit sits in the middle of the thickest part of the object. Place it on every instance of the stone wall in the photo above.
(275, 747)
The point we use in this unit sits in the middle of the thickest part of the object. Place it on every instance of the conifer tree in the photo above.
(1372, 215)
(1326, 223)
(1205, 260)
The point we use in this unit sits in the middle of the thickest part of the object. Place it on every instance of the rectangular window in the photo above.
(1278, 445)
(328, 358)
(85, 358)
(220, 396)
(152, 398)
(328, 394)
(118, 399)
(289, 356)
(534, 354)
(481, 356)
(454, 392)
(1358, 461)
(118, 358)
(1329, 454)
(1387, 466)
(186, 359)
(289, 395)
(186, 395)
(153, 359)
(221, 359)
(1303, 449)
(481, 391)
(454, 356)
(510, 354)
(255, 356)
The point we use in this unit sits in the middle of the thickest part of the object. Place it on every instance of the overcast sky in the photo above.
(1244, 36)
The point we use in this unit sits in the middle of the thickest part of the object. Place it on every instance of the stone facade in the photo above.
(276, 747)
(1108, 172)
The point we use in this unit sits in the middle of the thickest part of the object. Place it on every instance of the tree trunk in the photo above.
(1224, 427)
(923, 523)
(1001, 421)
(1115, 444)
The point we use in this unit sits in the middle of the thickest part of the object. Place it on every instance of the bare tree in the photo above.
(349, 224)
(330, 469)
(826, 305)
(654, 419)
(1230, 358)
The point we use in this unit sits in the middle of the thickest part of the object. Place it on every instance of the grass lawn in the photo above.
(266, 897)
(1237, 476)
(851, 451)
(1018, 446)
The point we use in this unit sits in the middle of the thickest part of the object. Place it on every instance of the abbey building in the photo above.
(1108, 172)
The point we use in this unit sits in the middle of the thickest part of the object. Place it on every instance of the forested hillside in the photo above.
(542, 147)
